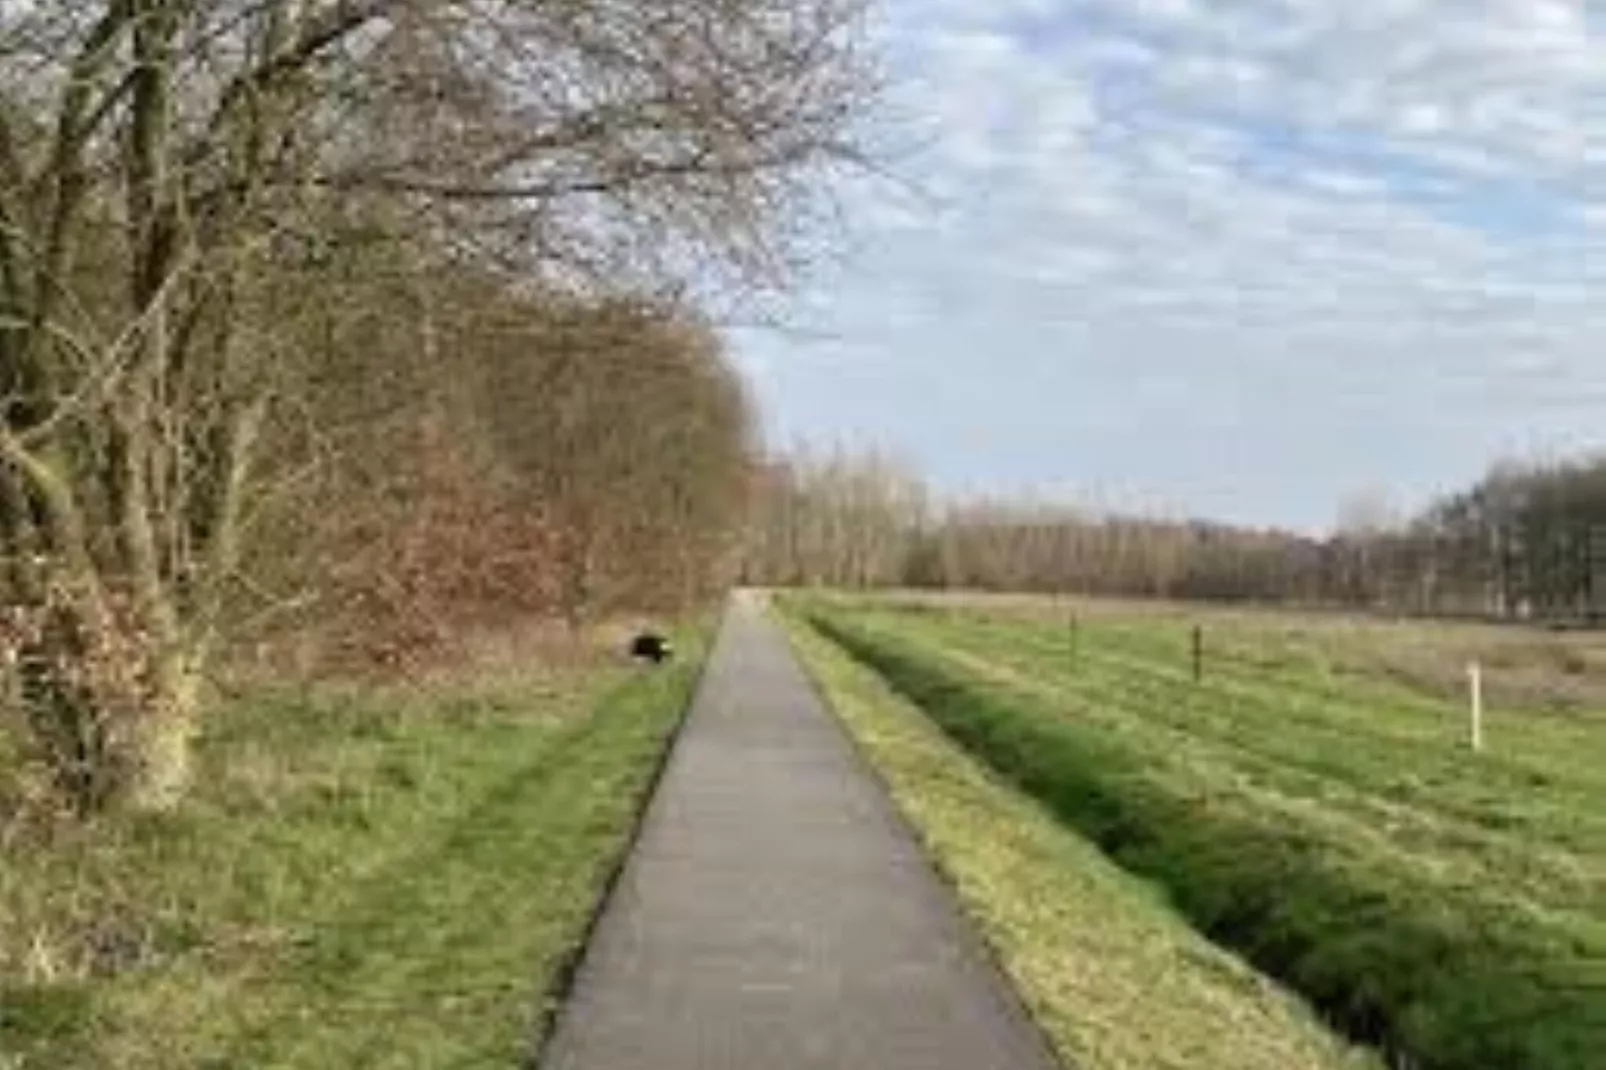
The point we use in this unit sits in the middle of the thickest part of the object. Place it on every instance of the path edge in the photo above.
(974, 932)
(559, 990)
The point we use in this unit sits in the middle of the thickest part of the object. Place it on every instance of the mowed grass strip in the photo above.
(1115, 977)
(1526, 818)
(358, 882)
(1441, 974)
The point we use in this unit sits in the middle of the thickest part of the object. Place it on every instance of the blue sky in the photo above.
(1237, 258)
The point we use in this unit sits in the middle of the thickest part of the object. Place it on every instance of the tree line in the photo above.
(1525, 542)
(372, 316)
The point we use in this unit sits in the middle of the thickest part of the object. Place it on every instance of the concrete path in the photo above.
(776, 915)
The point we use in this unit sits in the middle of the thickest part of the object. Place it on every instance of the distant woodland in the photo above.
(1526, 542)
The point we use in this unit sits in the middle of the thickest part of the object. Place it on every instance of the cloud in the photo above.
(1339, 241)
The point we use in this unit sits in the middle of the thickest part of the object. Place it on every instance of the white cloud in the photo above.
(1398, 206)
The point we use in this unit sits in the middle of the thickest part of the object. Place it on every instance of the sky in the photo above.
(1244, 259)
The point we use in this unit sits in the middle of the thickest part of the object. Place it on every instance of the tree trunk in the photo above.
(163, 739)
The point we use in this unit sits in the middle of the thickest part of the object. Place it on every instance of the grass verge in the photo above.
(358, 882)
(1115, 978)
(1438, 975)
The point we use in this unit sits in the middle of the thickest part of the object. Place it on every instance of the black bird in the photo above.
(650, 646)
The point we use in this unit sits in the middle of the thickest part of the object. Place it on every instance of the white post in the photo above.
(1475, 679)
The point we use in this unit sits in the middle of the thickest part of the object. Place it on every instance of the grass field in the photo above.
(1310, 803)
(361, 880)
(1116, 979)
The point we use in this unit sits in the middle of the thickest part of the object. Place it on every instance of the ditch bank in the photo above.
(1435, 981)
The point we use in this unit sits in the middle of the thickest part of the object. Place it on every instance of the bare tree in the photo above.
(844, 519)
(624, 427)
(179, 180)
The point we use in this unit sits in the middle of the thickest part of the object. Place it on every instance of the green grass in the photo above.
(359, 881)
(1116, 979)
(1445, 906)
(1526, 816)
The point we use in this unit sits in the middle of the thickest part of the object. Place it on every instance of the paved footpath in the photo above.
(776, 915)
